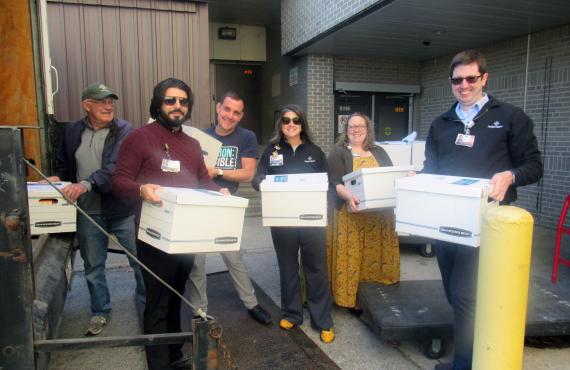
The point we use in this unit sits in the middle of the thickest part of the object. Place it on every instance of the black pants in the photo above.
(162, 310)
(312, 243)
(458, 265)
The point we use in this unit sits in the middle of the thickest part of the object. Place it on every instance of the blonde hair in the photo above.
(369, 142)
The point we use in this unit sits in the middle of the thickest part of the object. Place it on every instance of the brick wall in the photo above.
(302, 20)
(547, 103)
(320, 100)
(376, 70)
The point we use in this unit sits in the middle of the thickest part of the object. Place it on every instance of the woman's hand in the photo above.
(352, 203)
(224, 191)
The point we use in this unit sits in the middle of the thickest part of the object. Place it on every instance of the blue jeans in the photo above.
(93, 248)
(458, 266)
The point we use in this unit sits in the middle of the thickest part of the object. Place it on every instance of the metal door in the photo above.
(391, 116)
(347, 103)
(17, 289)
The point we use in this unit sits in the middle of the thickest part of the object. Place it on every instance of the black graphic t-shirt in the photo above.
(241, 143)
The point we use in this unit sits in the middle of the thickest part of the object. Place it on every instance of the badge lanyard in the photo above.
(466, 139)
(168, 165)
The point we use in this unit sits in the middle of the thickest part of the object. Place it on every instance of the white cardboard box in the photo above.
(193, 221)
(375, 187)
(50, 212)
(447, 208)
(210, 146)
(298, 200)
(404, 153)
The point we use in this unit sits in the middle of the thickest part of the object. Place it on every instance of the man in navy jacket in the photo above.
(485, 138)
(86, 157)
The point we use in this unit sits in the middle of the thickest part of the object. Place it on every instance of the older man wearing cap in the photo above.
(86, 157)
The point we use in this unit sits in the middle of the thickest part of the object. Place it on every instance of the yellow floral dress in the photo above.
(361, 247)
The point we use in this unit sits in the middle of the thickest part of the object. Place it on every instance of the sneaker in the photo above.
(96, 325)
(327, 336)
(286, 324)
(259, 314)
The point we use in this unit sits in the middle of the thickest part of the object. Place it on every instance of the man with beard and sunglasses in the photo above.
(86, 157)
(160, 154)
(482, 137)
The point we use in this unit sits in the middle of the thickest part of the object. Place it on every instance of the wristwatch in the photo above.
(220, 173)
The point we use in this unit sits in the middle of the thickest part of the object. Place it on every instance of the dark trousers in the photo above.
(311, 242)
(458, 265)
(162, 310)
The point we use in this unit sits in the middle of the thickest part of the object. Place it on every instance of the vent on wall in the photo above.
(237, 42)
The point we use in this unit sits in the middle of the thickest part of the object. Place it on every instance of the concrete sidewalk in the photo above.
(355, 347)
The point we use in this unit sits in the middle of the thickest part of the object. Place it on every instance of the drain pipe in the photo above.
(526, 70)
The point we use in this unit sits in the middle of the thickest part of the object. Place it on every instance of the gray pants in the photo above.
(238, 273)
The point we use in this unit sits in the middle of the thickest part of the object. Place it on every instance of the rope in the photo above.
(113, 238)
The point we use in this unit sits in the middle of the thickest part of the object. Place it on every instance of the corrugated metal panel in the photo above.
(130, 46)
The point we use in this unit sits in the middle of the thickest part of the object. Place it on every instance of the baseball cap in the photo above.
(98, 91)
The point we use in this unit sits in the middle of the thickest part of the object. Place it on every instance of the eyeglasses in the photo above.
(171, 100)
(288, 120)
(356, 128)
(105, 101)
(469, 79)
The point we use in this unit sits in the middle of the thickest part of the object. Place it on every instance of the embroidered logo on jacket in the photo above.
(495, 124)
(310, 160)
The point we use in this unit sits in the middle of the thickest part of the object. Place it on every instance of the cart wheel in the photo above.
(434, 348)
(427, 250)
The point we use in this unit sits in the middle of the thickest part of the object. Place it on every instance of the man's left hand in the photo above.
(501, 182)
(73, 191)
(225, 191)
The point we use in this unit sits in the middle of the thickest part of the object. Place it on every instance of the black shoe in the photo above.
(184, 363)
(444, 366)
(259, 314)
(356, 312)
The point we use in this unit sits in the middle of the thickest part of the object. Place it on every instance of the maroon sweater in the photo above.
(140, 160)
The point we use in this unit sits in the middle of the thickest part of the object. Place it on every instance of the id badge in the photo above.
(169, 165)
(465, 140)
(276, 160)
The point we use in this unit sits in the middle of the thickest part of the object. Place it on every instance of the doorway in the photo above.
(389, 113)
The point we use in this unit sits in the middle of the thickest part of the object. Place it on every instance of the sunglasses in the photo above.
(469, 79)
(171, 100)
(288, 120)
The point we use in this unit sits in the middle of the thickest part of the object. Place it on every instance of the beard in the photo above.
(173, 122)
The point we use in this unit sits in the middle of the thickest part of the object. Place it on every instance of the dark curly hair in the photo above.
(160, 90)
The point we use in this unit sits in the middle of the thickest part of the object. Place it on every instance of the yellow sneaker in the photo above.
(286, 324)
(327, 336)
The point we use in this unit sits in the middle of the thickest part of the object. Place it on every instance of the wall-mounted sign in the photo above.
(293, 76)
(342, 122)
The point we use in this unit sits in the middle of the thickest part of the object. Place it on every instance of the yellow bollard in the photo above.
(502, 288)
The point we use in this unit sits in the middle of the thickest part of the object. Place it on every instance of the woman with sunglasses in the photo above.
(291, 150)
(360, 246)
